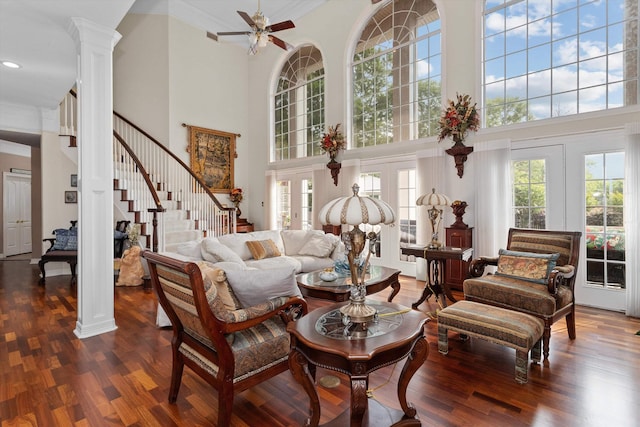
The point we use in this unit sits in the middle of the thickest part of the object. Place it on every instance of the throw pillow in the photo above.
(318, 246)
(214, 251)
(261, 249)
(62, 237)
(219, 280)
(526, 265)
(72, 242)
(253, 287)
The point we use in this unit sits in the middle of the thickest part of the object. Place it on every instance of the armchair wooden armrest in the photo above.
(557, 276)
(288, 308)
(477, 266)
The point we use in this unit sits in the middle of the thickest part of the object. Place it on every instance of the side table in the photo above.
(317, 339)
(436, 267)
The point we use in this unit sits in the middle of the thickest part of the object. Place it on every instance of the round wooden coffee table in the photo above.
(318, 339)
(378, 279)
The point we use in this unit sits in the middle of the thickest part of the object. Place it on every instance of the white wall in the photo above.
(219, 86)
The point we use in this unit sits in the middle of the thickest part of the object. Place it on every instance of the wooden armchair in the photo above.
(549, 297)
(231, 348)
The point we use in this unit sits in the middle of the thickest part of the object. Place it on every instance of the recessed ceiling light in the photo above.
(10, 64)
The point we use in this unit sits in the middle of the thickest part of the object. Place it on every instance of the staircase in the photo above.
(155, 189)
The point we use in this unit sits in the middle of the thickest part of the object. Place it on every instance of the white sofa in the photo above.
(303, 250)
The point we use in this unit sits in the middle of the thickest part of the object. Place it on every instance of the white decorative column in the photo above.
(95, 45)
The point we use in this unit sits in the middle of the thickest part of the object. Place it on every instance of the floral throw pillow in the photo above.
(526, 265)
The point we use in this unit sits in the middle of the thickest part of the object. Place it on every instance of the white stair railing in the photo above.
(169, 174)
(143, 168)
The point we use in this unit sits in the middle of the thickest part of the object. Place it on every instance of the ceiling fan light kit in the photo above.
(260, 34)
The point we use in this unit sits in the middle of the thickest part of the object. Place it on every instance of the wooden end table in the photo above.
(376, 280)
(436, 259)
(317, 339)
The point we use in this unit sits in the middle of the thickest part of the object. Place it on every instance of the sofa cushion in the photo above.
(528, 266)
(253, 287)
(191, 249)
(312, 263)
(293, 240)
(275, 262)
(507, 291)
(261, 249)
(317, 245)
(214, 251)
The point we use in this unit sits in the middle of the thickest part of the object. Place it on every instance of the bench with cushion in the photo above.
(63, 248)
(494, 324)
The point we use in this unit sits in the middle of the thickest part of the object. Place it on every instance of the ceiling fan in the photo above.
(261, 30)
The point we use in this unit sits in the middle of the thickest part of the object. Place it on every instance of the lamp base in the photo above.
(355, 317)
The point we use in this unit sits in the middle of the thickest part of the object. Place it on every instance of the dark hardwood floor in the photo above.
(49, 377)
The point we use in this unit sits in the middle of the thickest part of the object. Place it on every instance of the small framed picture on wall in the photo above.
(71, 197)
(74, 180)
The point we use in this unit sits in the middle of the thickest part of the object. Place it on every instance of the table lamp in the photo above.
(355, 210)
(435, 200)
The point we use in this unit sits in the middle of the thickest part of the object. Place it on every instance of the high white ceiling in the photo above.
(34, 34)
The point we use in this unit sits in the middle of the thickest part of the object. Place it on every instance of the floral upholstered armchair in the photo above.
(535, 274)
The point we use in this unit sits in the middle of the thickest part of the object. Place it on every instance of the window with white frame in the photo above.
(299, 105)
(529, 193)
(550, 58)
(396, 75)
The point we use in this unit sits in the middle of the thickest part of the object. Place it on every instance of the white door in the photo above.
(394, 183)
(595, 176)
(17, 214)
(294, 195)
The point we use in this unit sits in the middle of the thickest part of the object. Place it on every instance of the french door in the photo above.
(595, 206)
(394, 183)
(294, 201)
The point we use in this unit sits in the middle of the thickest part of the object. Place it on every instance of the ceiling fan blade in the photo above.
(284, 25)
(280, 43)
(234, 33)
(247, 18)
(212, 36)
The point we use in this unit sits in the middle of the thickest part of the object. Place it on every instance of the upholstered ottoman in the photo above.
(498, 325)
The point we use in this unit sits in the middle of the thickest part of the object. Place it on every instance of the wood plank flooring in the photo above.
(49, 377)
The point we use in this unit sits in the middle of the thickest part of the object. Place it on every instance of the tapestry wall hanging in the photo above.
(212, 153)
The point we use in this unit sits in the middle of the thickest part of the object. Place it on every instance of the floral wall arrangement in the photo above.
(458, 119)
(332, 143)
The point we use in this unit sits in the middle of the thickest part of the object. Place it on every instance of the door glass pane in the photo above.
(604, 204)
(307, 204)
(529, 193)
(283, 203)
(406, 208)
(370, 186)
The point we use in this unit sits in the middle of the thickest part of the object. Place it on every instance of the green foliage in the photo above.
(499, 112)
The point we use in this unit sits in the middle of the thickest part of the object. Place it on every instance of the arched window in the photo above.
(299, 105)
(397, 74)
(558, 58)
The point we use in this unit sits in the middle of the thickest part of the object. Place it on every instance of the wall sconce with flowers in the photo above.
(332, 143)
(456, 121)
